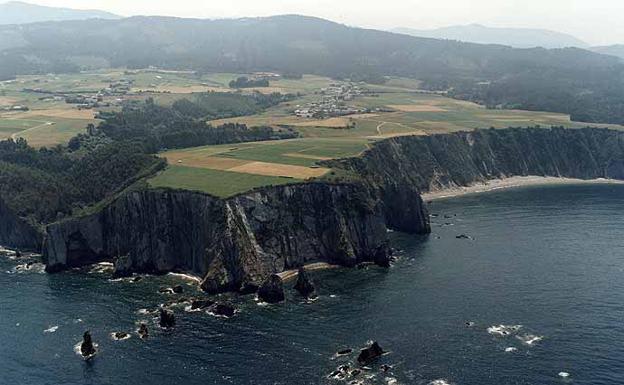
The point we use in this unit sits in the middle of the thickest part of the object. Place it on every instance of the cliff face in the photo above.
(238, 242)
(235, 243)
(17, 232)
(429, 163)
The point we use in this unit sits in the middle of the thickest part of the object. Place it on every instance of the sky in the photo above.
(595, 21)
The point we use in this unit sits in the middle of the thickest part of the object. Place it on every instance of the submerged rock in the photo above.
(87, 349)
(178, 289)
(201, 304)
(370, 353)
(304, 285)
(344, 352)
(272, 290)
(167, 319)
(143, 332)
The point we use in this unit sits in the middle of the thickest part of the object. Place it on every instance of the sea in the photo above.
(522, 286)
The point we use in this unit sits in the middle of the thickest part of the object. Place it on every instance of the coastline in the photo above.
(509, 183)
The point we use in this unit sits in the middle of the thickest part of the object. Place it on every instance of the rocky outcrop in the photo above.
(87, 348)
(17, 232)
(369, 354)
(272, 290)
(304, 284)
(235, 244)
(166, 319)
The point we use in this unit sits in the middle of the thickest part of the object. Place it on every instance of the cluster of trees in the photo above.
(186, 122)
(245, 82)
(48, 184)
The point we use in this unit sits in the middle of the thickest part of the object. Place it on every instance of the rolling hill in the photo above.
(587, 85)
(513, 37)
(17, 12)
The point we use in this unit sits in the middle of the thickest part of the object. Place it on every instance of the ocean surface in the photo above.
(546, 263)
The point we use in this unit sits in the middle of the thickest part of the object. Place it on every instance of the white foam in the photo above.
(530, 339)
(440, 381)
(564, 374)
(86, 358)
(503, 330)
(51, 329)
(391, 381)
(114, 337)
(511, 350)
(186, 276)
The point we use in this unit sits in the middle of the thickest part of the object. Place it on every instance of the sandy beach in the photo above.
(290, 274)
(513, 182)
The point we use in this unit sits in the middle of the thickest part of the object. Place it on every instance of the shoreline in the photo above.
(509, 183)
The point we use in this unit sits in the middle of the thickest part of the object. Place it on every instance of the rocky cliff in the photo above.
(235, 243)
(238, 242)
(399, 167)
(17, 232)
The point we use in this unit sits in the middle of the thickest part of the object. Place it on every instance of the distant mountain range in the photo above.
(514, 37)
(17, 12)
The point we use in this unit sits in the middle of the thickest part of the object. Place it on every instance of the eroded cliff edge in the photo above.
(236, 243)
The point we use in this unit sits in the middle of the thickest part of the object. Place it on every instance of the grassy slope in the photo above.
(215, 182)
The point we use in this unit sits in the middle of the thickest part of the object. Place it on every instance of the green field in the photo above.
(214, 182)
(396, 108)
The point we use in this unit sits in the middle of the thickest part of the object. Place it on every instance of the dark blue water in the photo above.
(549, 259)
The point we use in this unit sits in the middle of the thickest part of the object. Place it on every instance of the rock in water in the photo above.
(370, 354)
(178, 289)
(167, 319)
(143, 333)
(304, 285)
(123, 267)
(86, 348)
(117, 336)
(223, 310)
(272, 290)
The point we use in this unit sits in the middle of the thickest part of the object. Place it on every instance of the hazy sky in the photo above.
(595, 21)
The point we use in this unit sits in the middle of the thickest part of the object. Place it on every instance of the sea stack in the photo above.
(143, 333)
(272, 290)
(304, 285)
(167, 319)
(370, 353)
(86, 348)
